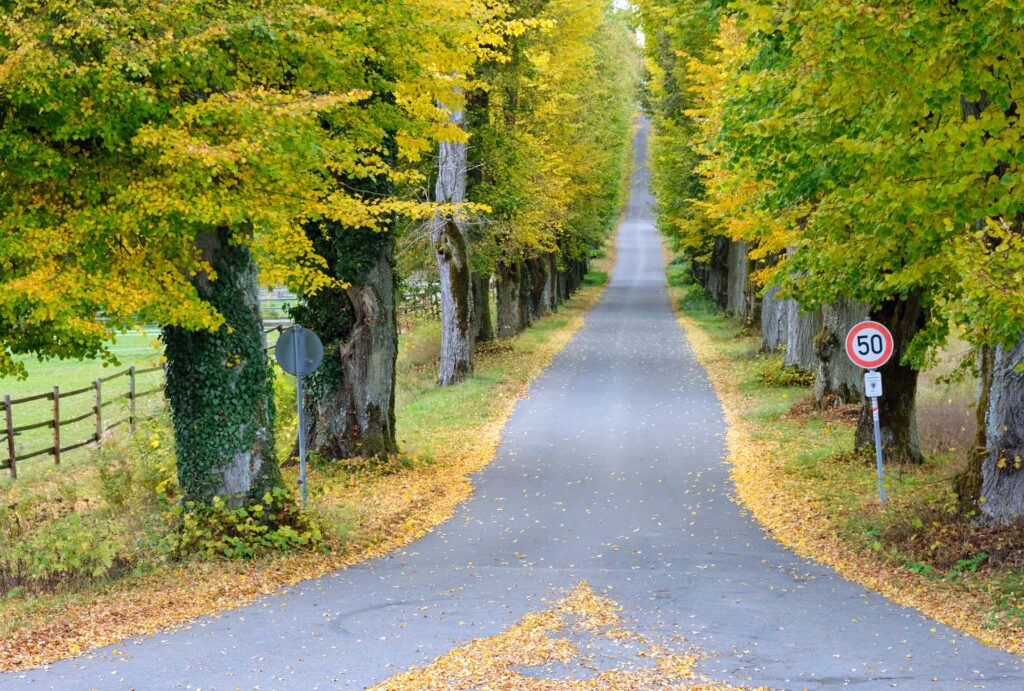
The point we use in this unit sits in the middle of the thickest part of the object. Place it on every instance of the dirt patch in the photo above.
(842, 413)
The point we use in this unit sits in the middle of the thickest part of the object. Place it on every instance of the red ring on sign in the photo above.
(858, 360)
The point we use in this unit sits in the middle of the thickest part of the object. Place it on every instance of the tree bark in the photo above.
(737, 275)
(801, 328)
(219, 385)
(350, 399)
(452, 252)
(507, 278)
(838, 380)
(562, 282)
(714, 275)
(967, 482)
(551, 285)
(539, 274)
(525, 292)
(773, 321)
(1002, 471)
(483, 327)
(897, 407)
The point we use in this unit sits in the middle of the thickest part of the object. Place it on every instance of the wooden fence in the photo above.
(56, 422)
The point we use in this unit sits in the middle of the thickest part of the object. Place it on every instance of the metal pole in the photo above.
(878, 448)
(300, 361)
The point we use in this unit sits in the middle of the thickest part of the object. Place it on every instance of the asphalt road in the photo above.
(611, 471)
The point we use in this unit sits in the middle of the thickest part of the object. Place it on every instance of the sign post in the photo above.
(870, 345)
(299, 352)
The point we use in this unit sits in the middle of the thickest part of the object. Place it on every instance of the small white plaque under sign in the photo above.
(873, 384)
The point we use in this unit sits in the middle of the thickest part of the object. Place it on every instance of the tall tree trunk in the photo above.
(551, 285)
(539, 274)
(562, 282)
(737, 275)
(507, 279)
(801, 328)
(897, 407)
(452, 253)
(350, 399)
(773, 321)
(525, 292)
(219, 385)
(967, 482)
(1002, 471)
(483, 327)
(838, 380)
(715, 273)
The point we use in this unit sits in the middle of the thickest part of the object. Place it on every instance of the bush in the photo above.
(277, 524)
(39, 551)
(772, 371)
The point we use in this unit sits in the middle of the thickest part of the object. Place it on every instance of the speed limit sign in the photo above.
(869, 345)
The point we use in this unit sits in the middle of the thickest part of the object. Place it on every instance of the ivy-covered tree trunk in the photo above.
(483, 327)
(452, 252)
(507, 278)
(350, 399)
(838, 380)
(219, 385)
(897, 407)
(1002, 469)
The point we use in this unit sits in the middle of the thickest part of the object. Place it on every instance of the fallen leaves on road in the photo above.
(529, 654)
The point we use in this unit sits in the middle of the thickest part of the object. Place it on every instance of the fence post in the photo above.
(131, 397)
(56, 425)
(10, 434)
(99, 412)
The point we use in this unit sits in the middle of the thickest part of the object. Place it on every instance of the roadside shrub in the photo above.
(242, 532)
(40, 552)
(772, 372)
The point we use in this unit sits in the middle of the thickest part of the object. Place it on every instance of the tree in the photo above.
(150, 153)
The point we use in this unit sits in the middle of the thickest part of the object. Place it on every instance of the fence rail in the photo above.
(10, 456)
(57, 421)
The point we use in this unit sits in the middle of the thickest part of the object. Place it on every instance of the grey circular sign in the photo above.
(299, 351)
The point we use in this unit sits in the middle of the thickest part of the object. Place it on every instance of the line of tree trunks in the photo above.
(219, 385)
(530, 288)
(897, 408)
(452, 252)
(350, 399)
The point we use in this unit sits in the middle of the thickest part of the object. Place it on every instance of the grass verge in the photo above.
(792, 468)
(364, 510)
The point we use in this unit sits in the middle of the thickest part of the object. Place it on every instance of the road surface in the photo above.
(611, 471)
